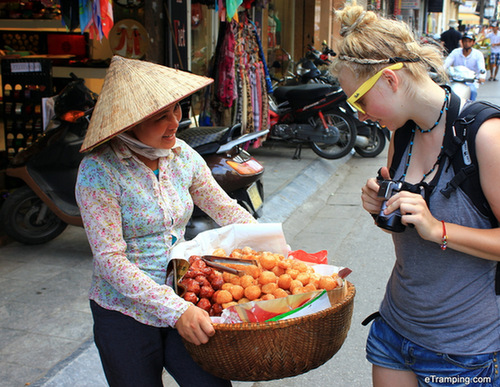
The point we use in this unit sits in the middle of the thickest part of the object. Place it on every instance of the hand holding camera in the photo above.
(392, 221)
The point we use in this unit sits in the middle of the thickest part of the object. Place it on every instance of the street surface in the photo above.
(45, 321)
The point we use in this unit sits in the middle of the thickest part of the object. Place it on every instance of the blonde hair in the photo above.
(369, 43)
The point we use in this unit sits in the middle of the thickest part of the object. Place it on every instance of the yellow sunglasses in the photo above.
(367, 85)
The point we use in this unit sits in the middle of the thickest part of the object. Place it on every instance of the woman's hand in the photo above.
(414, 211)
(369, 193)
(195, 325)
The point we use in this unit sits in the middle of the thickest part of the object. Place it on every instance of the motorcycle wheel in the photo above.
(347, 130)
(19, 216)
(373, 150)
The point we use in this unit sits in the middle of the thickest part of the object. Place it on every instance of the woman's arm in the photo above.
(483, 243)
(98, 196)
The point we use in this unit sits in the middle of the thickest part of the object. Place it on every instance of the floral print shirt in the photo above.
(132, 219)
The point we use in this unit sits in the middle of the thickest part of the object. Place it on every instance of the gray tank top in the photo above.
(444, 301)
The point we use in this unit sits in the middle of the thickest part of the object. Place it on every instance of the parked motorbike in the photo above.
(232, 167)
(42, 177)
(371, 138)
(308, 72)
(312, 114)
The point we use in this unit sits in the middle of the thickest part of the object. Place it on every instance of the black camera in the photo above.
(391, 222)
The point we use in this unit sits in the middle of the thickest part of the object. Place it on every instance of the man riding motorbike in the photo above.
(471, 58)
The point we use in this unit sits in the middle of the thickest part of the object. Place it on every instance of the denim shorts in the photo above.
(387, 348)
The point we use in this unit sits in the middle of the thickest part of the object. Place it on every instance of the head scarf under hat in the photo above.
(133, 91)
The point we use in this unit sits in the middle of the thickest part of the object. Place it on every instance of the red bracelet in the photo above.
(444, 238)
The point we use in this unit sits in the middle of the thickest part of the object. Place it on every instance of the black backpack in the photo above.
(460, 149)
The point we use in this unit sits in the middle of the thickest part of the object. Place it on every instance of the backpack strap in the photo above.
(461, 150)
(402, 135)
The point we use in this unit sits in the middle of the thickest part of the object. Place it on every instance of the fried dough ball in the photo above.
(202, 280)
(295, 284)
(191, 285)
(206, 291)
(267, 277)
(280, 293)
(253, 270)
(248, 252)
(284, 281)
(293, 273)
(314, 279)
(219, 252)
(243, 300)
(327, 282)
(236, 253)
(278, 270)
(304, 278)
(216, 281)
(204, 304)
(191, 297)
(227, 286)
(247, 280)
(224, 296)
(237, 292)
(298, 290)
(285, 263)
(310, 288)
(228, 277)
(253, 292)
(269, 288)
(299, 265)
(267, 297)
(268, 261)
(198, 264)
(214, 297)
(216, 310)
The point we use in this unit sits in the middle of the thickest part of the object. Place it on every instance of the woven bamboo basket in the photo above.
(278, 349)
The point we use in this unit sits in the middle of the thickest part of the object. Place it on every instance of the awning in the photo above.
(470, 18)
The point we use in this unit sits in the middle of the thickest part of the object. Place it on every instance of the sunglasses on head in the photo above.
(367, 85)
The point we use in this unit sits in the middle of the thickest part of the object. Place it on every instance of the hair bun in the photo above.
(345, 29)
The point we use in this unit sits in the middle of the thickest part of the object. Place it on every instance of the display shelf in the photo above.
(25, 82)
(33, 24)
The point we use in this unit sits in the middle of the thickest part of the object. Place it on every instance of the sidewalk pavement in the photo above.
(45, 322)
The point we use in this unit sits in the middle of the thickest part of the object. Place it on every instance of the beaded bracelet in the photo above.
(444, 238)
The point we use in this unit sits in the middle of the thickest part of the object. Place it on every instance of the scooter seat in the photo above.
(304, 93)
(202, 135)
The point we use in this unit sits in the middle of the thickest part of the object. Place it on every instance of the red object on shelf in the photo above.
(67, 44)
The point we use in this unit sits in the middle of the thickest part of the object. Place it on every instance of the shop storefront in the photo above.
(240, 45)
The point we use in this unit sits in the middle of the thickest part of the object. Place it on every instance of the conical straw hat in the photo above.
(132, 91)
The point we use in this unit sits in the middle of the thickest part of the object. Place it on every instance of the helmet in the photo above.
(469, 35)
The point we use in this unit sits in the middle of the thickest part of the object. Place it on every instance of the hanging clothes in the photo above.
(226, 86)
(242, 80)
